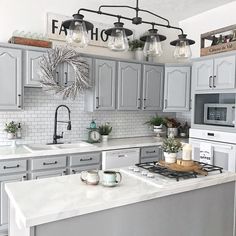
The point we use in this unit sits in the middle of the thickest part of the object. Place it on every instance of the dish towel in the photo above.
(206, 153)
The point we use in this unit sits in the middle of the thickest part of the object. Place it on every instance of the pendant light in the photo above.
(182, 47)
(152, 46)
(77, 30)
(118, 40)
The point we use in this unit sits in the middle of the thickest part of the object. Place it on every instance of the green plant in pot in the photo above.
(105, 130)
(157, 123)
(171, 147)
(136, 46)
(11, 128)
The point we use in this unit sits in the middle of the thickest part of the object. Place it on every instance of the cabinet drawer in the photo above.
(85, 159)
(7, 167)
(151, 159)
(48, 163)
(150, 151)
(48, 174)
(79, 169)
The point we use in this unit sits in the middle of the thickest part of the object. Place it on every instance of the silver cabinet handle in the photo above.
(66, 78)
(149, 152)
(165, 103)
(86, 159)
(50, 163)
(97, 102)
(139, 103)
(57, 77)
(19, 100)
(144, 103)
(24, 178)
(213, 83)
(209, 82)
(11, 167)
(122, 155)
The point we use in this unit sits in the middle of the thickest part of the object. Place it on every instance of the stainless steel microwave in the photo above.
(219, 114)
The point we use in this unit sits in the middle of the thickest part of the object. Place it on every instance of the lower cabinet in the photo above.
(149, 154)
(78, 169)
(48, 174)
(4, 198)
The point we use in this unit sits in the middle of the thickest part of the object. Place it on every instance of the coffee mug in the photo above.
(110, 178)
(90, 177)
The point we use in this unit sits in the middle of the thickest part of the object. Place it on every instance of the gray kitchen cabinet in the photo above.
(47, 174)
(11, 79)
(78, 169)
(152, 87)
(216, 73)
(32, 68)
(129, 86)
(177, 89)
(4, 198)
(105, 79)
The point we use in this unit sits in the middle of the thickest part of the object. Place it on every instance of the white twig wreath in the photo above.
(51, 61)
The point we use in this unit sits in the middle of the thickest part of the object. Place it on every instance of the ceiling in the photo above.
(175, 10)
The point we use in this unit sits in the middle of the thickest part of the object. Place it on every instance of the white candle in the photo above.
(187, 152)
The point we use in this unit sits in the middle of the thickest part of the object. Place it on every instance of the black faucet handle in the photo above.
(61, 136)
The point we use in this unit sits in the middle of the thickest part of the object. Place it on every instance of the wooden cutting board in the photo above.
(176, 167)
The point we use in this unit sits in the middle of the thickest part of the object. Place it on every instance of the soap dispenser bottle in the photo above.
(93, 124)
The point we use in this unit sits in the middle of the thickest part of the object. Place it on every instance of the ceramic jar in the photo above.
(170, 157)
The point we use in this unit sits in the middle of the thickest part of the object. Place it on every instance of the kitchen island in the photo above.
(66, 206)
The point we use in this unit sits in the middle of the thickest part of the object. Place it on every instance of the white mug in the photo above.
(90, 177)
(110, 177)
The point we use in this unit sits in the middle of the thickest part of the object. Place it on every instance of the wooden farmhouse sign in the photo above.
(56, 31)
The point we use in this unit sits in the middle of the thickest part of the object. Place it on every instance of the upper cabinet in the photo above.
(105, 79)
(177, 89)
(218, 73)
(129, 86)
(11, 79)
(32, 68)
(152, 87)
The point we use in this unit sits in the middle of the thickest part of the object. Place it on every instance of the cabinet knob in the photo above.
(66, 78)
(97, 102)
(19, 100)
(165, 103)
(139, 103)
(213, 83)
(209, 82)
(144, 103)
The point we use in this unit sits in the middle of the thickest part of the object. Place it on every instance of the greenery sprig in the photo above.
(171, 145)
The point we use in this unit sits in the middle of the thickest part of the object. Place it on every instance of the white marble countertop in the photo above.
(7, 152)
(59, 198)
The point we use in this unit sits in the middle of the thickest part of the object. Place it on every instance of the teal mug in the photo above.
(110, 178)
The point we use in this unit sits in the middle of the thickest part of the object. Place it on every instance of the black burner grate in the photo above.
(156, 168)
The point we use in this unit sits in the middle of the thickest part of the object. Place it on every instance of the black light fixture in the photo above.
(182, 46)
(118, 40)
(152, 46)
(77, 30)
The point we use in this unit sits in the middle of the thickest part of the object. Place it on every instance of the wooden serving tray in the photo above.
(195, 167)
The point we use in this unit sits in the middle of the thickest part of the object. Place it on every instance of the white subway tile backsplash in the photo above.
(37, 119)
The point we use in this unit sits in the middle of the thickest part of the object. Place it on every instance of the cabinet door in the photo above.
(224, 155)
(105, 78)
(177, 89)
(152, 87)
(32, 68)
(11, 79)
(68, 73)
(4, 197)
(129, 86)
(48, 174)
(202, 75)
(224, 72)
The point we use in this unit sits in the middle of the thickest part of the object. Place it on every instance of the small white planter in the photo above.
(170, 157)
(11, 136)
(138, 54)
(104, 138)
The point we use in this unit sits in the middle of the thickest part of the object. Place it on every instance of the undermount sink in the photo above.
(74, 145)
(39, 147)
(42, 147)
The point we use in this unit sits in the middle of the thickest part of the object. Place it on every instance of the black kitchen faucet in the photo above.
(55, 135)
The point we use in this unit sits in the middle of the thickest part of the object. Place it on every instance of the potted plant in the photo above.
(157, 123)
(172, 127)
(11, 128)
(105, 130)
(136, 46)
(171, 147)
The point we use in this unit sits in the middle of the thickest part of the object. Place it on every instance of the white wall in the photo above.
(207, 21)
(30, 15)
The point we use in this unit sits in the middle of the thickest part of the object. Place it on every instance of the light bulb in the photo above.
(118, 40)
(182, 50)
(153, 46)
(69, 39)
(79, 34)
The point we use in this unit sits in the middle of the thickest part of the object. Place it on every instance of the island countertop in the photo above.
(42, 201)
